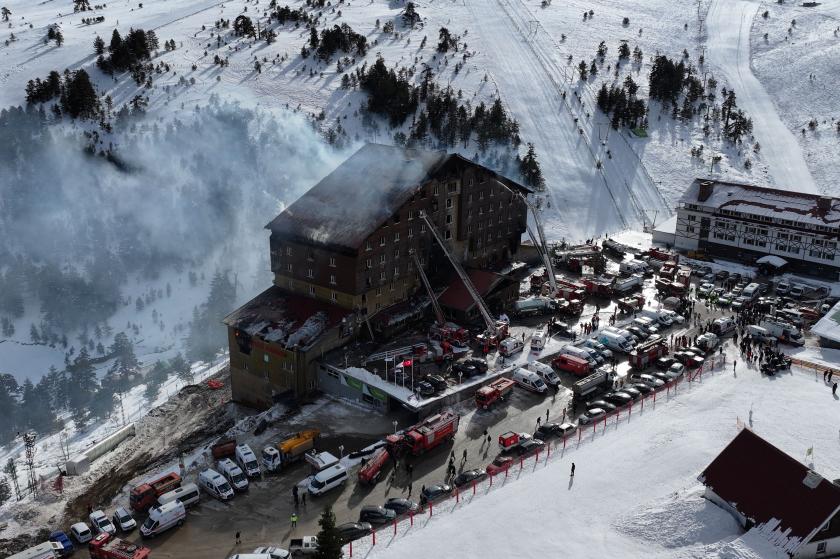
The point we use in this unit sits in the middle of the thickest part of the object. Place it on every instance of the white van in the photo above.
(751, 291)
(538, 339)
(326, 479)
(663, 318)
(509, 346)
(188, 494)
(545, 372)
(759, 333)
(247, 460)
(579, 352)
(215, 484)
(163, 518)
(529, 380)
(722, 326)
(615, 341)
(233, 473)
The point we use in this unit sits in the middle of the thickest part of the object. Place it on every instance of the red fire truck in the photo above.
(497, 390)
(646, 353)
(569, 290)
(105, 546)
(144, 495)
(425, 436)
(372, 470)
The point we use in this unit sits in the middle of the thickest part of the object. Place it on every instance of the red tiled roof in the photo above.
(458, 298)
(763, 483)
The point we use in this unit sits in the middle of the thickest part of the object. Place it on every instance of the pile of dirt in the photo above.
(182, 423)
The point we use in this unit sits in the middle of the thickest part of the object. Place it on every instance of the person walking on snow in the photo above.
(834, 389)
(294, 520)
(464, 456)
(238, 538)
(573, 470)
(546, 415)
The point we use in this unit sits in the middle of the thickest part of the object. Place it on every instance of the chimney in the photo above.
(824, 203)
(705, 191)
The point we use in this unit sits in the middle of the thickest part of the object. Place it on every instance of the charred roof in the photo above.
(350, 203)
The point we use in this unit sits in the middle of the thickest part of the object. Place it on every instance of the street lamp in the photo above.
(395, 426)
(340, 451)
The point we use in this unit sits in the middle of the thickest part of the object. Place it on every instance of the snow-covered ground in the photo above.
(800, 70)
(728, 25)
(635, 491)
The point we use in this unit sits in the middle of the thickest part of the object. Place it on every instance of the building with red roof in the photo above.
(766, 489)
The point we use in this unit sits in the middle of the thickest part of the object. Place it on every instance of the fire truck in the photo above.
(372, 470)
(646, 353)
(105, 546)
(423, 437)
(569, 290)
(144, 495)
(497, 390)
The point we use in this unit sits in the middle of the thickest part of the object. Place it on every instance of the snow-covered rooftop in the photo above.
(828, 326)
(800, 208)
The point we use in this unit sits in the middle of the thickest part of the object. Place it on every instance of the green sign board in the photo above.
(355, 383)
(376, 393)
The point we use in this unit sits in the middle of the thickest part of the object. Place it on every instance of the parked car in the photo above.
(437, 381)
(618, 399)
(675, 370)
(603, 404)
(638, 333)
(123, 520)
(661, 376)
(528, 448)
(642, 387)
(650, 380)
(500, 464)
(466, 369)
(599, 347)
(704, 289)
(424, 388)
(434, 492)
(376, 515)
(81, 533)
(708, 278)
(591, 415)
(547, 430)
(273, 551)
(629, 389)
(401, 506)
(101, 523)
(350, 531)
(468, 476)
(782, 288)
(721, 275)
(664, 362)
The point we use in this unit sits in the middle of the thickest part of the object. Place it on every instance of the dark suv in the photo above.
(376, 515)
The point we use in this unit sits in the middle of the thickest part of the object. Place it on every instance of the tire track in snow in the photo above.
(728, 30)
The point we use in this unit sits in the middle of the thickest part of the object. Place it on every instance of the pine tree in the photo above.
(182, 368)
(6, 13)
(5, 490)
(329, 539)
(98, 45)
(583, 70)
(79, 99)
(59, 38)
(81, 386)
(313, 37)
(9, 404)
(10, 469)
(410, 15)
(530, 168)
(155, 379)
(116, 42)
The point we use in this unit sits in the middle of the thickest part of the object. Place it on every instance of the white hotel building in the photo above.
(743, 222)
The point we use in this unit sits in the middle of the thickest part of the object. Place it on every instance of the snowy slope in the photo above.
(801, 72)
(635, 492)
(728, 27)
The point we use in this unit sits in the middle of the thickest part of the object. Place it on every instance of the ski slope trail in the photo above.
(582, 203)
(728, 26)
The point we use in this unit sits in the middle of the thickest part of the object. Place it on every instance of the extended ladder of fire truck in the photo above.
(540, 243)
(435, 305)
(492, 326)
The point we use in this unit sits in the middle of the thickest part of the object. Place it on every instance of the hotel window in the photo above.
(369, 263)
(436, 190)
(449, 202)
(368, 246)
(396, 254)
(448, 219)
(469, 228)
(382, 275)
(288, 251)
(310, 273)
(481, 195)
(382, 241)
(382, 258)
(332, 279)
(410, 232)
(447, 234)
(410, 214)
(396, 271)
(312, 290)
(422, 227)
(397, 237)
(332, 261)
(288, 267)
(334, 296)
(378, 291)
(266, 358)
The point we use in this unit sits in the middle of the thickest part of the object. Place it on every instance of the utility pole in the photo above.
(29, 446)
